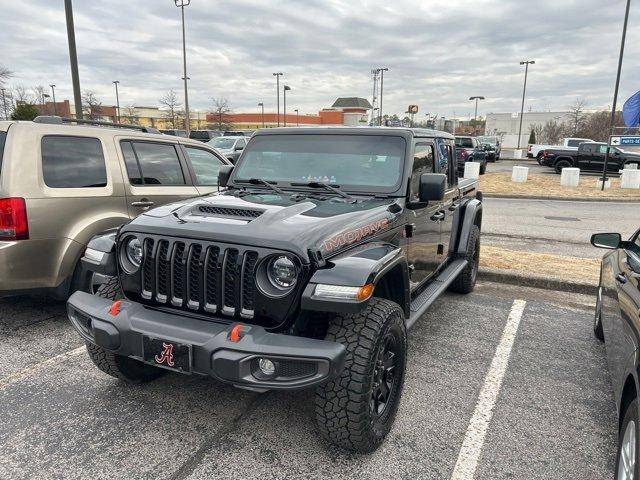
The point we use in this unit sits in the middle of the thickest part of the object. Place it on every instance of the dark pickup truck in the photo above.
(469, 149)
(589, 157)
(307, 271)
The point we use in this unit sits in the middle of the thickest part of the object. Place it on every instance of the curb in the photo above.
(566, 199)
(525, 280)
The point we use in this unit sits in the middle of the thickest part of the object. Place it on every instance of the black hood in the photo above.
(270, 220)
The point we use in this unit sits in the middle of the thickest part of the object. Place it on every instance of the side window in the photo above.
(422, 163)
(603, 150)
(573, 143)
(73, 162)
(205, 165)
(157, 163)
(241, 143)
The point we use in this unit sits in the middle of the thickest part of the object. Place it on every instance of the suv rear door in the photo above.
(204, 165)
(157, 172)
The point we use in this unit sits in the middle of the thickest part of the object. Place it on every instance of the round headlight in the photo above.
(282, 272)
(132, 254)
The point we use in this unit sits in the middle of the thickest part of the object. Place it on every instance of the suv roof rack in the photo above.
(53, 119)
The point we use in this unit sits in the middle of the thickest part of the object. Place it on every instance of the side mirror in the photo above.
(610, 241)
(224, 174)
(432, 186)
(238, 148)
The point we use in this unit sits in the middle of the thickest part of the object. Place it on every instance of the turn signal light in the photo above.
(13, 219)
(364, 293)
(342, 292)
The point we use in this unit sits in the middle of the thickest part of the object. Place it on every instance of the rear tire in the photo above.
(539, 158)
(466, 281)
(118, 366)
(562, 164)
(357, 409)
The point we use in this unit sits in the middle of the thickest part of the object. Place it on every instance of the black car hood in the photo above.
(270, 220)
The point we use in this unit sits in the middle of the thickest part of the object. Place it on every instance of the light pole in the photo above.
(73, 58)
(116, 82)
(261, 105)
(615, 93)
(284, 103)
(278, 75)
(297, 117)
(475, 115)
(526, 64)
(182, 4)
(4, 104)
(382, 70)
(53, 92)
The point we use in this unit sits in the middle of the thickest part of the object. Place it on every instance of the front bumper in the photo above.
(301, 362)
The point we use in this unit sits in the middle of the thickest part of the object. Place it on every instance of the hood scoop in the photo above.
(229, 212)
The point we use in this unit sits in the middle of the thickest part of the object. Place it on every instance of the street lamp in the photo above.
(475, 115)
(73, 58)
(182, 4)
(53, 92)
(116, 82)
(615, 93)
(286, 88)
(261, 104)
(278, 75)
(526, 64)
(382, 70)
(297, 117)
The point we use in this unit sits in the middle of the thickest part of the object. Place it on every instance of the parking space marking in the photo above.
(465, 467)
(22, 374)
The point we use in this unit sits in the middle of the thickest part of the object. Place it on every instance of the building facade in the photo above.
(507, 125)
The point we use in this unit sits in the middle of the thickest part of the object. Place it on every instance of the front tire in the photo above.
(627, 457)
(357, 409)
(540, 158)
(118, 366)
(562, 164)
(466, 281)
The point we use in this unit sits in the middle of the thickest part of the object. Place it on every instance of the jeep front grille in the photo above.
(201, 277)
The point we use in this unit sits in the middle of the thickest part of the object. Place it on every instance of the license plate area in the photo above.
(167, 354)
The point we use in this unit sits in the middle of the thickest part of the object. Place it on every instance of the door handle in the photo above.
(621, 278)
(142, 203)
(436, 217)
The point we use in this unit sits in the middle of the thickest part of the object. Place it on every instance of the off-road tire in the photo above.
(561, 164)
(539, 158)
(466, 281)
(597, 320)
(118, 366)
(343, 412)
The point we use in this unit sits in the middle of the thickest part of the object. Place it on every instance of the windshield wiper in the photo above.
(259, 181)
(326, 187)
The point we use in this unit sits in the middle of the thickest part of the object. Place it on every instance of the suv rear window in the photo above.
(464, 142)
(152, 163)
(73, 162)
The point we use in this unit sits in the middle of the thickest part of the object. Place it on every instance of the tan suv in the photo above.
(63, 182)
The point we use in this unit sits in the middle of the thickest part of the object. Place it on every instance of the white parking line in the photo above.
(22, 374)
(465, 468)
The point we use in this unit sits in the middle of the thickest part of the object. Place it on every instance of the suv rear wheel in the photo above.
(118, 366)
(357, 409)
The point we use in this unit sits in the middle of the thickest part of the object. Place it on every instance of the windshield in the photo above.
(488, 140)
(464, 142)
(222, 143)
(350, 161)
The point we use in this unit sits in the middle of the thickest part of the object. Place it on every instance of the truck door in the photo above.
(425, 231)
(446, 165)
(585, 156)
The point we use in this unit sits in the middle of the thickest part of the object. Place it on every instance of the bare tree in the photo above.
(172, 104)
(130, 115)
(221, 114)
(537, 130)
(577, 117)
(91, 106)
(5, 74)
(38, 92)
(20, 94)
(596, 126)
(552, 132)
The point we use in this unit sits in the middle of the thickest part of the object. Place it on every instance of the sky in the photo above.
(439, 52)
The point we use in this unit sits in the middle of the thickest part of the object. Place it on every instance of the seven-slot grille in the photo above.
(201, 277)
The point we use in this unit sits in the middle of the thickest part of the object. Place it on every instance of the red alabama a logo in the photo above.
(167, 354)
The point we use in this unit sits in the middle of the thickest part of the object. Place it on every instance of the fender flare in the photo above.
(472, 216)
(100, 254)
(356, 268)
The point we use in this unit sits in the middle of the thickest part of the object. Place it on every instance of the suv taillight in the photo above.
(13, 219)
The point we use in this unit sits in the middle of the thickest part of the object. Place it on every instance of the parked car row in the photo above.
(469, 149)
(589, 156)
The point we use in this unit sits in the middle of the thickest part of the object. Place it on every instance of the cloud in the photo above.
(439, 53)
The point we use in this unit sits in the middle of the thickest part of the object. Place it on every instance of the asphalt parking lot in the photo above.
(554, 415)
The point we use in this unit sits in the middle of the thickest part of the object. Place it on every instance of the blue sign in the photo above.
(631, 112)
(625, 140)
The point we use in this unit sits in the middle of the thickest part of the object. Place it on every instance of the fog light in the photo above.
(267, 367)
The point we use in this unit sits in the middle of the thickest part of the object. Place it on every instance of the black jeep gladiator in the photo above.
(307, 271)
